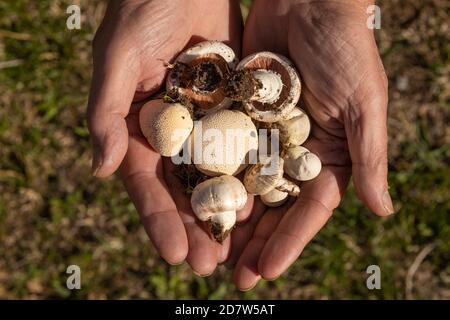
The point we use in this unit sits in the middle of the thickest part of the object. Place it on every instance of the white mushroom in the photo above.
(266, 175)
(198, 75)
(274, 198)
(216, 201)
(301, 164)
(166, 126)
(268, 84)
(295, 130)
(223, 142)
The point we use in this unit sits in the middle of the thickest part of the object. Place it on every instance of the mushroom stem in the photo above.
(221, 224)
(288, 186)
(259, 85)
(269, 87)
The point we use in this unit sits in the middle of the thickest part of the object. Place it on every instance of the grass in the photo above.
(53, 213)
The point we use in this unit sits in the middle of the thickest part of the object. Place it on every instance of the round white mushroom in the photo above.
(295, 130)
(266, 175)
(216, 201)
(222, 142)
(274, 198)
(166, 126)
(301, 164)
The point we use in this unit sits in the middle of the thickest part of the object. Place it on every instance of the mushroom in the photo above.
(274, 198)
(268, 84)
(166, 126)
(266, 175)
(198, 75)
(223, 142)
(295, 130)
(216, 201)
(301, 164)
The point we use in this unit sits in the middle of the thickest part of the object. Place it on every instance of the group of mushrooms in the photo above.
(207, 88)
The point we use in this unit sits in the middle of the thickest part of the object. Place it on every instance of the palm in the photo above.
(339, 65)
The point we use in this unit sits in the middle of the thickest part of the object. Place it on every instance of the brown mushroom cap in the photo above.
(199, 73)
(290, 91)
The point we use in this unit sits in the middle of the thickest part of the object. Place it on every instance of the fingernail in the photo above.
(96, 161)
(271, 279)
(174, 264)
(387, 203)
(202, 275)
(249, 288)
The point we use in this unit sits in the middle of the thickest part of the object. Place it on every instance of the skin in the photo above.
(128, 48)
(348, 113)
(345, 93)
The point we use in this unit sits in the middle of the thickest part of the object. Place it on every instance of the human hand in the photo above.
(130, 46)
(345, 94)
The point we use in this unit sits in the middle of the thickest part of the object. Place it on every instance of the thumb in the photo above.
(366, 129)
(112, 90)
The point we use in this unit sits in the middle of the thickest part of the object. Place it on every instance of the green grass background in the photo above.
(53, 213)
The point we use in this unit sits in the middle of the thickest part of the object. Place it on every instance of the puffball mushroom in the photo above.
(198, 75)
(222, 142)
(166, 126)
(274, 198)
(216, 201)
(266, 175)
(301, 164)
(268, 85)
(295, 130)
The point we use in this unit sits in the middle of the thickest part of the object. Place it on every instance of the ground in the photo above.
(53, 213)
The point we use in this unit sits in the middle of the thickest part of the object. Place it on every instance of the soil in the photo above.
(206, 76)
(217, 232)
(241, 85)
(189, 176)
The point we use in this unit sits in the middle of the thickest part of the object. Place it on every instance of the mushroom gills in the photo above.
(198, 75)
(278, 89)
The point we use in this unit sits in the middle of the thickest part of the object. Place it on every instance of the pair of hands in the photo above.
(344, 92)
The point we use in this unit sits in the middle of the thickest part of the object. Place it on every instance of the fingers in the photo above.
(246, 274)
(111, 95)
(366, 129)
(244, 231)
(302, 221)
(243, 214)
(113, 86)
(143, 178)
(204, 252)
(258, 36)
